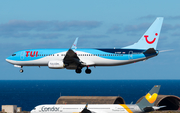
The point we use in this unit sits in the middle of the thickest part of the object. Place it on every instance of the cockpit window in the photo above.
(13, 54)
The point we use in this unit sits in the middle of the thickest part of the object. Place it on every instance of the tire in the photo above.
(21, 70)
(88, 71)
(78, 70)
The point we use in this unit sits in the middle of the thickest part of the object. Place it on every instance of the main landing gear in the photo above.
(78, 70)
(88, 71)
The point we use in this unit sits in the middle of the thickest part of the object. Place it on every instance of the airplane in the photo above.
(145, 105)
(76, 58)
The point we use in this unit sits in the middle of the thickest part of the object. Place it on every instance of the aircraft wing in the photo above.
(71, 57)
(90, 111)
(86, 110)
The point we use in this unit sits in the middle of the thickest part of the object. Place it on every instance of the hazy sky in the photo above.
(98, 24)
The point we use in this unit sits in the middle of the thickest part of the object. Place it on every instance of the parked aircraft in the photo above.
(76, 59)
(145, 105)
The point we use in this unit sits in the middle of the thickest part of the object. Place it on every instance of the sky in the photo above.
(98, 24)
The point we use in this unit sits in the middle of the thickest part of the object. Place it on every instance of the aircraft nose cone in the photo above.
(7, 60)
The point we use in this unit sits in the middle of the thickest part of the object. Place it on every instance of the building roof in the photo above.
(90, 100)
(170, 101)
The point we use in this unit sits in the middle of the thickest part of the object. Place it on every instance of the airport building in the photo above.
(170, 101)
(11, 109)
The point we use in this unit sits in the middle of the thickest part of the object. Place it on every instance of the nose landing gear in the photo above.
(21, 70)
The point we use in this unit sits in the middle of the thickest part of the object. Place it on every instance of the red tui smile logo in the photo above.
(150, 42)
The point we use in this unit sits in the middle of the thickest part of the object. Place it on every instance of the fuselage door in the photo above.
(22, 55)
(130, 55)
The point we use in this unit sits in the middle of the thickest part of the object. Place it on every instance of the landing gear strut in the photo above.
(88, 71)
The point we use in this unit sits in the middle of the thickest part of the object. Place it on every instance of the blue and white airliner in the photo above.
(76, 59)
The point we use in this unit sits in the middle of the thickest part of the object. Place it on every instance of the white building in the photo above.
(9, 108)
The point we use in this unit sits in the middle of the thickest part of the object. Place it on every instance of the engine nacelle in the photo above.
(55, 64)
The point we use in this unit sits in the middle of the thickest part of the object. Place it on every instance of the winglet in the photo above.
(86, 106)
(74, 46)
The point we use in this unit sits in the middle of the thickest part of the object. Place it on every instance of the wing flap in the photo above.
(87, 63)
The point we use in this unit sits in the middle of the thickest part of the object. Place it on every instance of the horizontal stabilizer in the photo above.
(158, 107)
(166, 50)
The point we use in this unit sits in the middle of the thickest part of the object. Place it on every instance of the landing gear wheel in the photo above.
(88, 71)
(21, 70)
(78, 70)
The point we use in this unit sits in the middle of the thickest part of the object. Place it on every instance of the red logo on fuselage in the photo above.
(32, 53)
(150, 42)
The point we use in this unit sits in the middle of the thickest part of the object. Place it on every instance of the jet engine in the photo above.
(56, 64)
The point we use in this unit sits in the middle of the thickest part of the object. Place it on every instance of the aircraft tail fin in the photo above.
(147, 103)
(151, 36)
